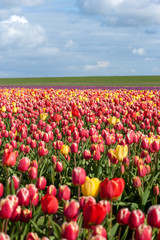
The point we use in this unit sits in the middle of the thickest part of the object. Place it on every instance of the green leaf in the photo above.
(56, 229)
(113, 231)
(148, 189)
(125, 234)
(36, 227)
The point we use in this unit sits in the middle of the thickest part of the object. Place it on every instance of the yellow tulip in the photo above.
(3, 109)
(121, 152)
(65, 149)
(15, 109)
(112, 120)
(43, 116)
(91, 187)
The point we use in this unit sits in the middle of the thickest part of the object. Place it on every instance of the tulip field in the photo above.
(79, 164)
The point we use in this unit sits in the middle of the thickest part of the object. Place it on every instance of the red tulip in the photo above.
(71, 210)
(143, 232)
(41, 183)
(51, 190)
(9, 158)
(49, 204)
(23, 196)
(94, 214)
(26, 215)
(64, 193)
(78, 176)
(24, 164)
(111, 189)
(136, 218)
(153, 216)
(70, 230)
(123, 216)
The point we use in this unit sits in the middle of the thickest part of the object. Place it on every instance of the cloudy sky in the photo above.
(53, 38)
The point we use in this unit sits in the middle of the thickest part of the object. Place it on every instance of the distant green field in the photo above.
(84, 81)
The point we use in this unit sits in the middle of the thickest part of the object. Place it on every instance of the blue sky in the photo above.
(53, 38)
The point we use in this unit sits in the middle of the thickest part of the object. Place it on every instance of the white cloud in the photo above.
(98, 65)
(123, 12)
(69, 44)
(138, 51)
(17, 31)
(155, 69)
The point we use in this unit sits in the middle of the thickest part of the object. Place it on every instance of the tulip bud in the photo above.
(74, 147)
(32, 173)
(71, 210)
(15, 217)
(54, 159)
(41, 183)
(15, 182)
(156, 190)
(59, 167)
(70, 230)
(26, 215)
(51, 190)
(145, 143)
(24, 164)
(136, 218)
(87, 154)
(136, 182)
(143, 232)
(153, 216)
(123, 216)
(64, 193)
(78, 176)
(142, 171)
(23, 196)
(96, 155)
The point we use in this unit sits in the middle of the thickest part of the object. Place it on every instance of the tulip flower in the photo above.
(23, 196)
(70, 230)
(91, 187)
(123, 216)
(9, 158)
(65, 149)
(71, 210)
(136, 218)
(153, 216)
(93, 214)
(49, 204)
(26, 215)
(143, 232)
(41, 183)
(112, 189)
(24, 164)
(15, 217)
(64, 193)
(121, 152)
(78, 176)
